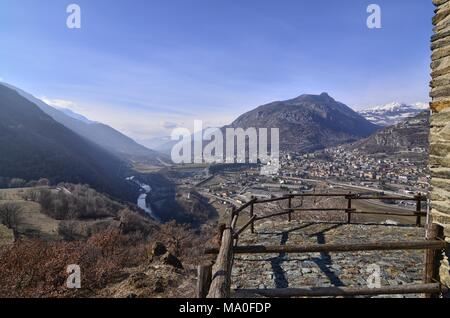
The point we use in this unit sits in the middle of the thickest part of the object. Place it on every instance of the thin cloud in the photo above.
(62, 103)
(169, 125)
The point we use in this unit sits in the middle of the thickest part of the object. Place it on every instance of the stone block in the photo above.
(440, 2)
(439, 161)
(439, 217)
(444, 80)
(441, 66)
(440, 91)
(443, 207)
(440, 173)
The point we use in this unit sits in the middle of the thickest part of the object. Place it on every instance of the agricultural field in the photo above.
(31, 221)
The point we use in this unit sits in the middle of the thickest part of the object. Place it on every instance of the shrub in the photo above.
(10, 216)
(70, 202)
(17, 183)
(35, 268)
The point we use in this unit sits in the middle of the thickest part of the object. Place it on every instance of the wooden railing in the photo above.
(214, 281)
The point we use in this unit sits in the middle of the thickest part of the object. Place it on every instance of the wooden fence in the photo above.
(214, 281)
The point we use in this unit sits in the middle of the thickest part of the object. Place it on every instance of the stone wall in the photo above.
(440, 124)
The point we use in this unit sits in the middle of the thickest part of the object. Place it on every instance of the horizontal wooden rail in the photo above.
(343, 195)
(246, 205)
(353, 211)
(318, 195)
(346, 291)
(288, 211)
(362, 196)
(273, 200)
(250, 222)
(388, 198)
(412, 213)
(319, 248)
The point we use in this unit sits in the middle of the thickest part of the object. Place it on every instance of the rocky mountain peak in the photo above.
(309, 122)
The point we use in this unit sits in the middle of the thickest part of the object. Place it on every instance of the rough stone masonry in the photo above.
(440, 125)
(291, 270)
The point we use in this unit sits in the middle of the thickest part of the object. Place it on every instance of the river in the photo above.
(141, 201)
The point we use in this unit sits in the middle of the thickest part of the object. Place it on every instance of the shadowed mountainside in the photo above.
(98, 133)
(33, 146)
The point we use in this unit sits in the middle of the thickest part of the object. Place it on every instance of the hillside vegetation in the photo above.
(121, 252)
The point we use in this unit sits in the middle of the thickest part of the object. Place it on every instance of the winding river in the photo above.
(141, 201)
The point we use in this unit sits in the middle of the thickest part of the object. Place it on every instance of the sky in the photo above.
(147, 66)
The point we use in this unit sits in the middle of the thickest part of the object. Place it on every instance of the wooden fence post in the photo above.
(204, 275)
(252, 214)
(221, 271)
(433, 257)
(419, 210)
(290, 209)
(349, 209)
(234, 218)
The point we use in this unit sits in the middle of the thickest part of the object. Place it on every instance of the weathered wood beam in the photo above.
(288, 211)
(221, 272)
(343, 195)
(319, 248)
(204, 275)
(246, 205)
(250, 222)
(432, 258)
(344, 291)
(272, 200)
(390, 213)
(252, 214)
(395, 198)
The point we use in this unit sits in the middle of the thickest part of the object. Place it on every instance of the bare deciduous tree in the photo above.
(10, 214)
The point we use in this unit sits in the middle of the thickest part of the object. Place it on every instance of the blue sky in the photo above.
(145, 66)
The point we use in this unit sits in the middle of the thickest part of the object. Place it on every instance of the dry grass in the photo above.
(143, 168)
(6, 236)
(111, 251)
(34, 268)
(33, 221)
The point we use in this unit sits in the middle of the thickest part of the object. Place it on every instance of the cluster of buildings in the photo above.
(406, 174)
(300, 173)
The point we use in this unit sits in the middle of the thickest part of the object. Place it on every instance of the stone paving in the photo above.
(326, 269)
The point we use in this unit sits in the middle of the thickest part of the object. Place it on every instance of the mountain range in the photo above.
(410, 135)
(98, 133)
(307, 123)
(33, 145)
(393, 113)
(37, 140)
(162, 144)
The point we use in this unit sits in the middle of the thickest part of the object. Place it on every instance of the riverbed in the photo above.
(141, 201)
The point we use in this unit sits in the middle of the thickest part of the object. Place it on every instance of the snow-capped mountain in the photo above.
(393, 113)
